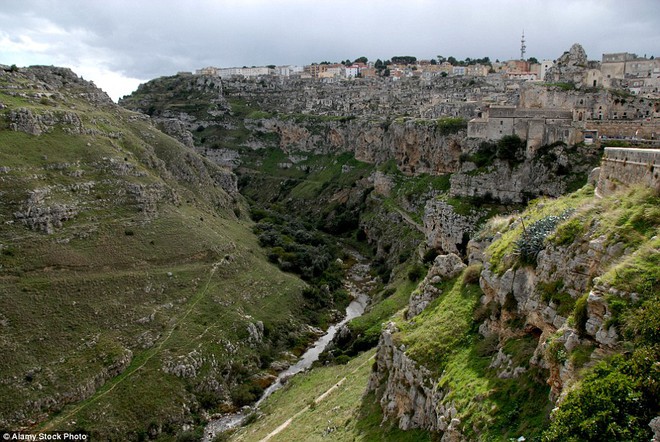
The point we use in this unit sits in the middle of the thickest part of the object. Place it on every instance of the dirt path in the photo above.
(129, 372)
(409, 220)
(317, 401)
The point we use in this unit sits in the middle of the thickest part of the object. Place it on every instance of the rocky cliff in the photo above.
(561, 292)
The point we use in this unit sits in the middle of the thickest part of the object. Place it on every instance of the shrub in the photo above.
(616, 401)
(451, 125)
(472, 274)
(510, 148)
(532, 241)
(581, 315)
(567, 232)
(416, 273)
(556, 352)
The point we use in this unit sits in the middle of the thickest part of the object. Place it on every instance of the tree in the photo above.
(361, 60)
(404, 59)
(379, 65)
(441, 59)
(433, 61)
(452, 61)
(386, 73)
(532, 60)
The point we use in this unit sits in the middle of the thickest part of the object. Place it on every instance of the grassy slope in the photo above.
(118, 289)
(343, 414)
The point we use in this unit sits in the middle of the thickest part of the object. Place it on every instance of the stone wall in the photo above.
(622, 167)
(626, 128)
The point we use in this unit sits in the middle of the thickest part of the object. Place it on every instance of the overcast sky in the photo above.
(121, 43)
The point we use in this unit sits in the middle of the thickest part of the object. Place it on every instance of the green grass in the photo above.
(117, 295)
(501, 252)
(345, 414)
(442, 328)
(369, 326)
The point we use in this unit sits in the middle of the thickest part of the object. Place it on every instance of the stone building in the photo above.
(538, 126)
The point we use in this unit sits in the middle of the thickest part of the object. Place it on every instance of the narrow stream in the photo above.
(357, 283)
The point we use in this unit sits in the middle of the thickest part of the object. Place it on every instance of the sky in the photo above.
(119, 44)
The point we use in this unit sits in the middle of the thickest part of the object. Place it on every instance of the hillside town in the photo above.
(638, 75)
(571, 99)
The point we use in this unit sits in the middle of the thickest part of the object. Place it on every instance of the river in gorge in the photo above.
(358, 281)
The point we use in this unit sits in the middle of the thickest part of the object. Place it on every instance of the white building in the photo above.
(351, 71)
(545, 65)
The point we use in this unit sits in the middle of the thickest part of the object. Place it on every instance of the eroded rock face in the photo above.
(177, 130)
(570, 67)
(444, 267)
(25, 120)
(447, 230)
(506, 184)
(407, 392)
(539, 298)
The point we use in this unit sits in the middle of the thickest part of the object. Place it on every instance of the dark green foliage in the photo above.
(532, 241)
(545, 153)
(552, 292)
(404, 59)
(511, 149)
(556, 352)
(562, 86)
(429, 255)
(382, 269)
(246, 393)
(451, 125)
(416, 272)
(581, 315)
(296, 247)
(484, 156)
(567, 232)
(615, 402)
(642, 324)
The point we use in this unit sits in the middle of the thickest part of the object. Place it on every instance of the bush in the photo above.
(472, 274)
(581, 315)
(416, 273)
(246, 394)
(533, 238)
(616, 401)
(451, 125)
(567, 232)
(510, 148)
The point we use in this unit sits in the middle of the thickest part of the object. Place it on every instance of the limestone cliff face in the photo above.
(407, 393)
(538, 298)
(417, 146)
(446, 229)
(507, 184)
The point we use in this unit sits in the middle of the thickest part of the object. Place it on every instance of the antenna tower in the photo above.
(522, 46)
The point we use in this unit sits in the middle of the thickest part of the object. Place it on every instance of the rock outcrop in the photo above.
(407, 392)
(444, 267)
(447, 230)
